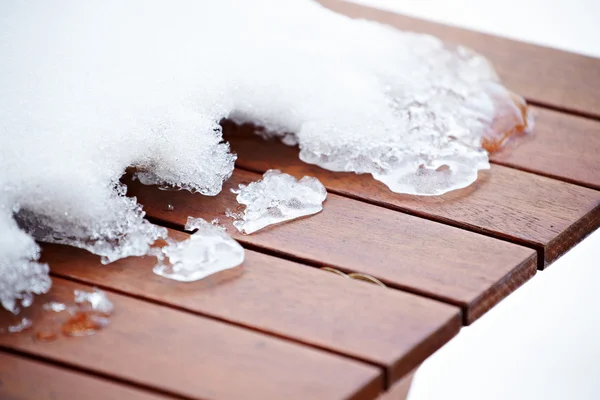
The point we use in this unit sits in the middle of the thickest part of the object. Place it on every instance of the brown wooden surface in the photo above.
(281, 329)
(195, 357)
(389, 328)
(406, 252)
(562, 146)
(543, 75)
(400, 389)
(24, 379)
(525, 208)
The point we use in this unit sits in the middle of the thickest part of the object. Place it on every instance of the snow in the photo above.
(90, 88)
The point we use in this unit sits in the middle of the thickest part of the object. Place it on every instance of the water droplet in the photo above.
(45, 336)
(84, 324)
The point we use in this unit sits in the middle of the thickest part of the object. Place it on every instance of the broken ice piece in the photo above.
(276, 198)
(96, 299)
(193, 224)
(54, 306)
(207, 251)
(24, 324)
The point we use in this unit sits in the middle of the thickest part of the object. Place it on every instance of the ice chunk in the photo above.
(24, 324)
(207, 251)
(54, 306)
(89, 313)
(276, 198)
(94, 301)
(91, 88)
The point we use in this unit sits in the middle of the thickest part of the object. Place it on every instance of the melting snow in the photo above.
(90, 88)
(207, 251)
(276, 198)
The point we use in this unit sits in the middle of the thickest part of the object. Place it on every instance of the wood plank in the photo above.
(195, 357)
(562, 146)
(389, 328)
(543, 75)
(24, 379)
(405, 252)
(399, 391)
(533, 210)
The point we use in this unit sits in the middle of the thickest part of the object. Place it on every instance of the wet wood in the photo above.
(25, 379)
(546, 76)
(562, 146)
(513, 205)
(281, 329)
(194, 357)
(392, 329)
(405, 252)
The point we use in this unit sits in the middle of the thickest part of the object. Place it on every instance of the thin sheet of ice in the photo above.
(90, 88)
(207, 251)
(277, 198)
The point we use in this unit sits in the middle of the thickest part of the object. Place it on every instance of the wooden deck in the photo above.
(282, 328)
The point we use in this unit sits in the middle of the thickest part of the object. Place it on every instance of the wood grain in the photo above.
(405, 252)
(24, 379)
(389, 328)
(195, 357)
(506, 203)
(562, 146)
(543, 75)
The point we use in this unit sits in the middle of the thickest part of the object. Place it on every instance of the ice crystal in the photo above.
(276, 198)
(207, 251)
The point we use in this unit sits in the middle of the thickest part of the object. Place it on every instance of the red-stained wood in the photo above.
(399, 391)
(194, 357)
(25, 379)
(389, 328)
(513, 205)
(406, 252)
(562, 146)
(543, 75)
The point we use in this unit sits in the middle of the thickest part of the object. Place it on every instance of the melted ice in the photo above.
(95, 300)
(207, 251)
(276, 198)
(90, 88)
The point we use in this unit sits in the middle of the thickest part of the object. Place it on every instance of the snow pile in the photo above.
(276, 198)
(90, 88)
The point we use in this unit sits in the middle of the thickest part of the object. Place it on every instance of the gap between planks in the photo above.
(467, 316)
(539, 249)
(563, 109)
(534, 217)
(150, 300)
(402, 360)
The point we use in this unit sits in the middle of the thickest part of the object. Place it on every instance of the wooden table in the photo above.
(280, 326)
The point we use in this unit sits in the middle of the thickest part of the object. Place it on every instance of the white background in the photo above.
(572, 25)
(543, 341)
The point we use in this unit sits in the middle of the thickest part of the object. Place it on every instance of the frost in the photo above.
(207, 251)
(91, 88)
(276, 198)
